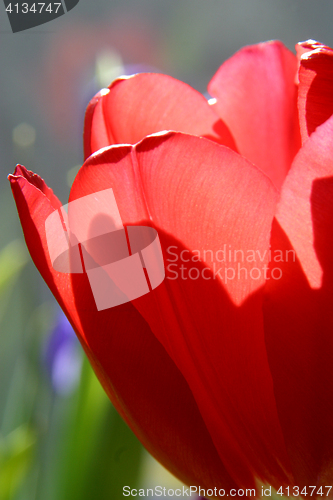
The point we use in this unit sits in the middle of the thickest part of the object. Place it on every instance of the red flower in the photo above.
(224, 370)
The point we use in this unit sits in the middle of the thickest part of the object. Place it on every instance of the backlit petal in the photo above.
(256, 97)
(200, 196)
(298, 311)
(140, 378)
(315, 95)
(140, 105)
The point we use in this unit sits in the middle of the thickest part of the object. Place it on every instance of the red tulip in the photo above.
(224, 370)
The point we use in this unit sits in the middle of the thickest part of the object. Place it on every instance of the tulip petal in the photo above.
(200, 196)
(315, 95)
(295, 213)
(256, 97)
(298, 311)
(152, 397)
(35, 201)
(143, 104)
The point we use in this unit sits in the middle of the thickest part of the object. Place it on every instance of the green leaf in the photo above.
(94, 453)
(13, 258)
(15, 458)
(105, 453)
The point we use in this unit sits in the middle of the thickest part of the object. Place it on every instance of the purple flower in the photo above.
(63, 357)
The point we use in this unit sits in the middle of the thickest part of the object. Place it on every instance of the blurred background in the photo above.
(60, 438)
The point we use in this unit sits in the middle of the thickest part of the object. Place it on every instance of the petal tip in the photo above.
(20, 171)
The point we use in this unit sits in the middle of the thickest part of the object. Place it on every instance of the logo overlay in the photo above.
(25, 14)
(122, 263)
